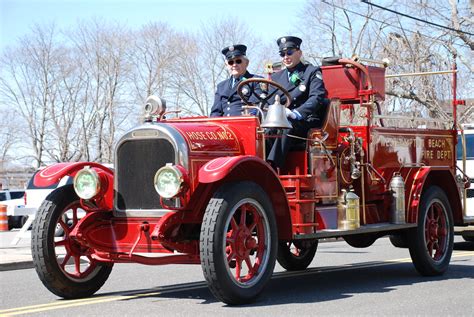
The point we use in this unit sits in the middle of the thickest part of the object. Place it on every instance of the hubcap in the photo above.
(247, 243)
(436, 231)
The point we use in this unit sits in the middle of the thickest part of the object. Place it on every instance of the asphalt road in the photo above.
(342, 281)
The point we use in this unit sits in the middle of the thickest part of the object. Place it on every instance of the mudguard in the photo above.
(428, 176)
(251, 168)
(54, 173)
(415, 193)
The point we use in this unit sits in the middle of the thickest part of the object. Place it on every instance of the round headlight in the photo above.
(168, 180)
(86, 183)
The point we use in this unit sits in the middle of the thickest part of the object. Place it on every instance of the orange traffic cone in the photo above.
(3, 218)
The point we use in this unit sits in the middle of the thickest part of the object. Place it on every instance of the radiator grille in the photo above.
(137, 163)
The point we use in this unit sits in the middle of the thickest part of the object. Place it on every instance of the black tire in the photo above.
(296, 255)
(431, 243)
(230, 237)
(399, 240)
(360, 240)
(22, 221)
(51, 255)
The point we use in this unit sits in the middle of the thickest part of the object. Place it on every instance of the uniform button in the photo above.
(228, 108)
(294, 98)
(228, 114)
(228, 102)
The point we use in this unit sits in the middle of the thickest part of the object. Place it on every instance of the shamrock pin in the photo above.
(295, 79)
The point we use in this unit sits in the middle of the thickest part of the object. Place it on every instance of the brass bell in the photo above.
(276, 116)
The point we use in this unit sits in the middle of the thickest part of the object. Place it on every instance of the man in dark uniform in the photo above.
(308, 98)
(227, 102)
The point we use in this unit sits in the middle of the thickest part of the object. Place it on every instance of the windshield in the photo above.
(469, 147)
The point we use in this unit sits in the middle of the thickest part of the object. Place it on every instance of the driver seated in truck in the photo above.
(227, 101)
(308, 106)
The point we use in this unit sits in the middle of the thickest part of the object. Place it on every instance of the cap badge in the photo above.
(231, 48)
(283, 40)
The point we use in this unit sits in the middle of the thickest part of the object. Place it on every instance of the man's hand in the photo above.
(293, 114)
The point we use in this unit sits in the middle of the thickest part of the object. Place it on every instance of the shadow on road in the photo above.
(464, 246)
(320, 284)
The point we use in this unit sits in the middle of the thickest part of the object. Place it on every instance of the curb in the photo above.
(12, 266)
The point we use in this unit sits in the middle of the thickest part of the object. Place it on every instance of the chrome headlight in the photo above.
(87, 183)
(168, 180)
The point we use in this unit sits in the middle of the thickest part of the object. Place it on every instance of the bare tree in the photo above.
(200, 65)
(103, 48)
(27, 84)
(346, 27)
(9, 137)
(152, 55)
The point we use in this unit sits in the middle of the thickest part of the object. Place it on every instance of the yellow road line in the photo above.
(192, 286)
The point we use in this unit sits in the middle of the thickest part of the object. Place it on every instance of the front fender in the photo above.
(254, 169)
(54, 173)
(219, 168)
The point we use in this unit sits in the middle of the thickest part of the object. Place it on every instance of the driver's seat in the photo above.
(308, 151)
(330, 126)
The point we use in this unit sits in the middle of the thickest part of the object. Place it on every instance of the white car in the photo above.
(469, 138)
(13, 199)
(35, 195)
(468, 169)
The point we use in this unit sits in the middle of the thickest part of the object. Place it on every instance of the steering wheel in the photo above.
(263, 99)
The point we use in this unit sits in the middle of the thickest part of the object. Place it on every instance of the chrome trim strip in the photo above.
(142, 213)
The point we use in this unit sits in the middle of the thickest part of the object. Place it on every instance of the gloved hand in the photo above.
(290, 114)
(293, 114)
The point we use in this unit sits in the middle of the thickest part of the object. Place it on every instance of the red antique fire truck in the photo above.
(199, 191)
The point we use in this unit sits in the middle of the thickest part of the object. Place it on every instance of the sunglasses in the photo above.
(237, 61)
(287, 52)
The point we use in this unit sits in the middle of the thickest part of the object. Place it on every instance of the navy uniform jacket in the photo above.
(308, 98)
(308, 95)
(227, 101)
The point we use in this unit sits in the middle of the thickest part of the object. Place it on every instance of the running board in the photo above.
(467, 230)
(372, 228)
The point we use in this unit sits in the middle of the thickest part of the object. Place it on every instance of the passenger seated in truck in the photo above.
(308, 105)
(227, 102)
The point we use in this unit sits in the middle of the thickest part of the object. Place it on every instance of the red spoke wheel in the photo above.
(238, 242)
(431, 243)
(63, 265)
(296, 255)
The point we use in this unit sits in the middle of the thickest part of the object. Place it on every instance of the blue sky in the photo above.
(269, 19)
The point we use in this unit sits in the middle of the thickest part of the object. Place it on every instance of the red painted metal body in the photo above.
(304, 194)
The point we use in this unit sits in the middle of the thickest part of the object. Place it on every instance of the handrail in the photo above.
(421, 73)
(410, 118)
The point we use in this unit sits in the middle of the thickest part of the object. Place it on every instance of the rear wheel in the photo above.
(296, 255)
(238, 243)
(431, 243)
(64, 266)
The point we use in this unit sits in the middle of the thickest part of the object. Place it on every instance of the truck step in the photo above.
(371, 228)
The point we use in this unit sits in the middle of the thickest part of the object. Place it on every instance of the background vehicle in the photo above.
(199, 191)
(12, 199)
(466, 143)
(35, 195)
